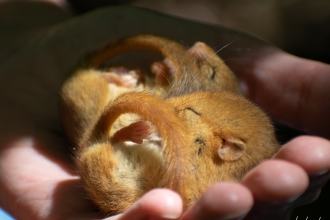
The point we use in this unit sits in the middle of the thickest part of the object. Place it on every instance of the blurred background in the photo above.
(300, 27)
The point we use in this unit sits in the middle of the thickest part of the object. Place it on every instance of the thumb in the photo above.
(291, 89)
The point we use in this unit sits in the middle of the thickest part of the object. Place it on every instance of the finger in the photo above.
(276, 180)
(274, 185)
(221, 201)
(310, 153)
(313, 155)
(156, 204)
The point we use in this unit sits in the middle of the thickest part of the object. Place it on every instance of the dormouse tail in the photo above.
(170, 49)
(182, 65)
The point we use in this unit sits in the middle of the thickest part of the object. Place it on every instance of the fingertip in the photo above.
(156, 204)
(276, 180)
(309, 152)
(221, 201)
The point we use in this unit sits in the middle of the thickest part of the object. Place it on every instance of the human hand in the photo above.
(40, 179)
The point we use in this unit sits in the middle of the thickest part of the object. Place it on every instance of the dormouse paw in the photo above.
(122, 76)
(164, 72)
(135, 132)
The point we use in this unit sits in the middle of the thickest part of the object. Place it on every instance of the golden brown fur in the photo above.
(214, 75)
(203, 132)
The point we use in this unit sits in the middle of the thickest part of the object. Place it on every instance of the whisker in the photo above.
(181, 87)
(224, 47)
(165, 76)
(189, 80)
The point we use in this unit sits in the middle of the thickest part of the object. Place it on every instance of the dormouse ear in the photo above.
(231, 149)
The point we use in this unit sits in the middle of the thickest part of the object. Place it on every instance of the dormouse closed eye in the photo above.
(193, 110)
(212, 73)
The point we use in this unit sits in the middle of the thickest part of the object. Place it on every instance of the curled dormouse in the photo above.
(131, 138)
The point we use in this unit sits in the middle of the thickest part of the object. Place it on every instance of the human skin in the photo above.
(40, 181)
